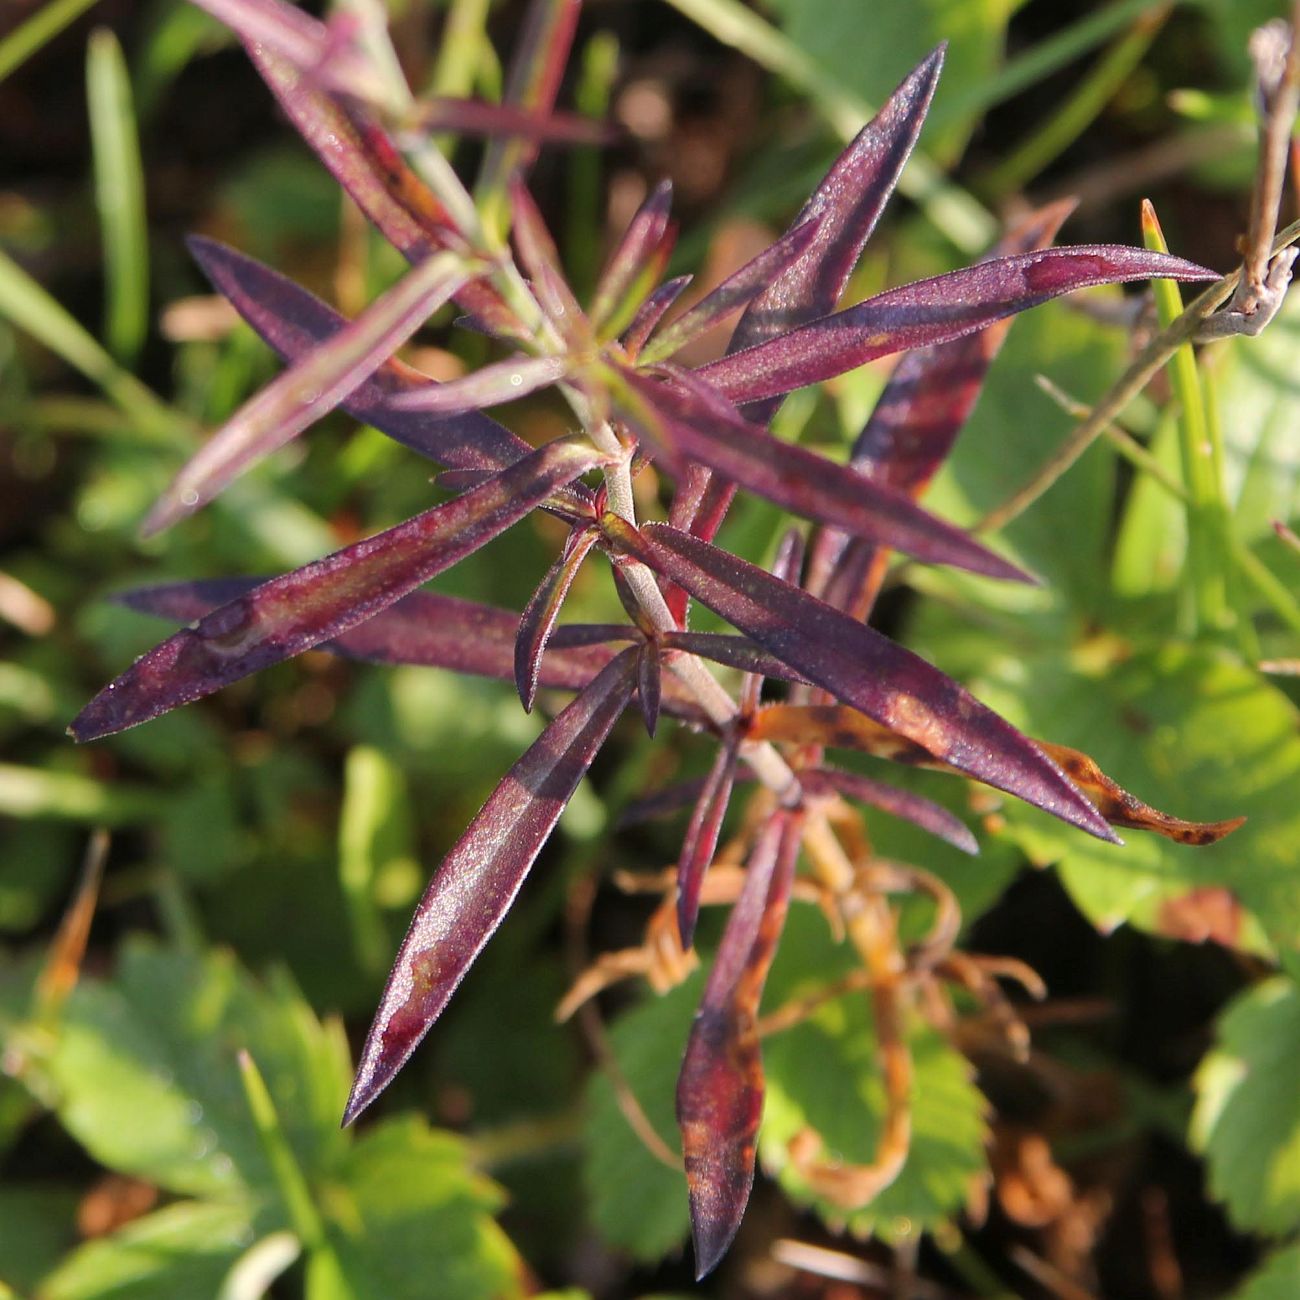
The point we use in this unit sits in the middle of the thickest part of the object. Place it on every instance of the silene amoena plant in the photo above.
(814, 676)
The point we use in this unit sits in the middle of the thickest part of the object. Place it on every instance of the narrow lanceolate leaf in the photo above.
(694, 426)
(915, 808)
(932, 311)
(734, 651)
(640, 242)
(651, 312)
(360, 157)
(543, 609)
(836, 727)
(476, 117)
(912, 428)
(862, 668)
(302, 41)
(536, 71)
(540, 260)
(322, 600)
(366, 163)
(720, 1089)
(848, 202)
(310, 388)
(702, 833)
(734, 292)
(295, 323)
(649, 685)
(478, 880)
(424, 629)
(502, 381)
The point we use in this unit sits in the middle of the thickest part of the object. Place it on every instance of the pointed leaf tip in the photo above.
(479, 878)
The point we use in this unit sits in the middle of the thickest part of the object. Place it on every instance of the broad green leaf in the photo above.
(1194, 734)
(636, 1201)
(182, 1252)
(824, 1074)
(148, 1082)
(409, 1217)
(1278, 1278)
(1247, 1116)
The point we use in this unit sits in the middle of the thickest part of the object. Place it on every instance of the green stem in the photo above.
(1206, 553)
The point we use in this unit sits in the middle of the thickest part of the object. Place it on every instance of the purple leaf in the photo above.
(863, 669)
(476, 117)
(308, 45)
(649, 686)
(424, 629)
(734, 292)
(651, 312)
(295, 322)
(543, 609)
(694, 426)
(932, 311)
(536, 70)
(638, 248)
(701, 841)
(922, 812)
(310, 388)
(540, 260)
(720, 1088)
(848, 202)
(490, 385)
(734, 651)
(322, 600)
(478, 880)
(915, 422)
(360, 157)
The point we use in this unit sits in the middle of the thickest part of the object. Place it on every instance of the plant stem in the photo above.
(1206, 552)
(41, 28)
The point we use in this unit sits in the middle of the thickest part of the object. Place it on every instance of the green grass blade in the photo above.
(950, 208)
(28, 306)
(119, 196)
(1207, 550)
(41, 28)
(1081, 108)
(1040, 61)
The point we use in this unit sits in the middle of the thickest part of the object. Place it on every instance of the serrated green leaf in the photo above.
(1194, 734)
(1247, 1116)
(636, 1201)
(182, 1252)
(1278, 1278)
(148, 1082)
(824, 1074)
(407, 1214)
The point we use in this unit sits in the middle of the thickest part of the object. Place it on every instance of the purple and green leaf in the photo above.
(639, 251)
(702, 833)
(473, 888)
(720, 1088)
(694, 425)
(295, 322)
(539, 616)
(932, 311)
(310, 388)
(913, 426)
(857, 665)
(322, 600)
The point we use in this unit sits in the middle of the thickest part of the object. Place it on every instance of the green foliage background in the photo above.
(269, 843)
